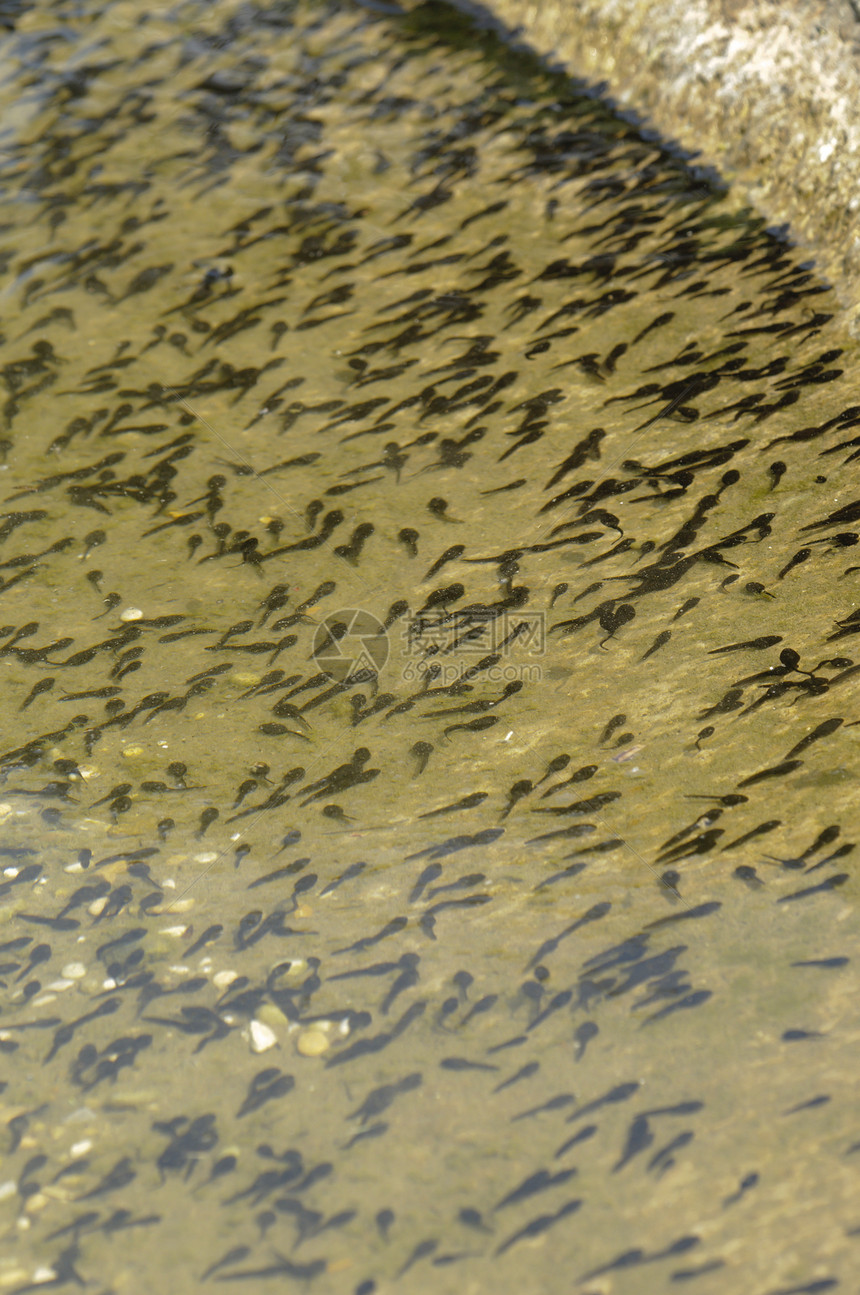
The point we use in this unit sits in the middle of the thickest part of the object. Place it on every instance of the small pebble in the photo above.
(174, 906)
(272, 1016)
(312, 1043)
(263, 1037)
(73, 971)
(131, 614)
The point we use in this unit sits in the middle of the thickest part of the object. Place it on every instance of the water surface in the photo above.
(428, 558)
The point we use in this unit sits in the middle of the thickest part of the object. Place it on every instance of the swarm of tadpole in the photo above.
(426, 565)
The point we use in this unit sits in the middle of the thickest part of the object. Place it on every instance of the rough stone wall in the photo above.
(766, 91)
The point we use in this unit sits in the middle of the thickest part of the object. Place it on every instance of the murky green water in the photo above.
(427, 614)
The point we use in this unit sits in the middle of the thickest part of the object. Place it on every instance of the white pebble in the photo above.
(44, 1274)
(73, 971)
(262, 1037)
(222, 979)
(80, 1148)
(131, 614)
(7, 1189)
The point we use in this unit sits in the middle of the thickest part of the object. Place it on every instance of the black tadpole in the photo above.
(409, 538)
(337, 814)
(582, 1036)
(686, 607)
(439, 508)
(560, 762)
(614, 723)
(92, 541)
(450, 555)
(516, 793)
(473, 726)
(384, 1220)
(474, 799)
(671, 880)
(111, 601)
(44, 685)
(177, 771)
(748, 875)
(776, 471)
(207, 818)
(800, 556)
(733, 798)
(777, 771)
(660, 641)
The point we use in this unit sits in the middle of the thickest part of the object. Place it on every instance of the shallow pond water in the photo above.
(428, 566)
